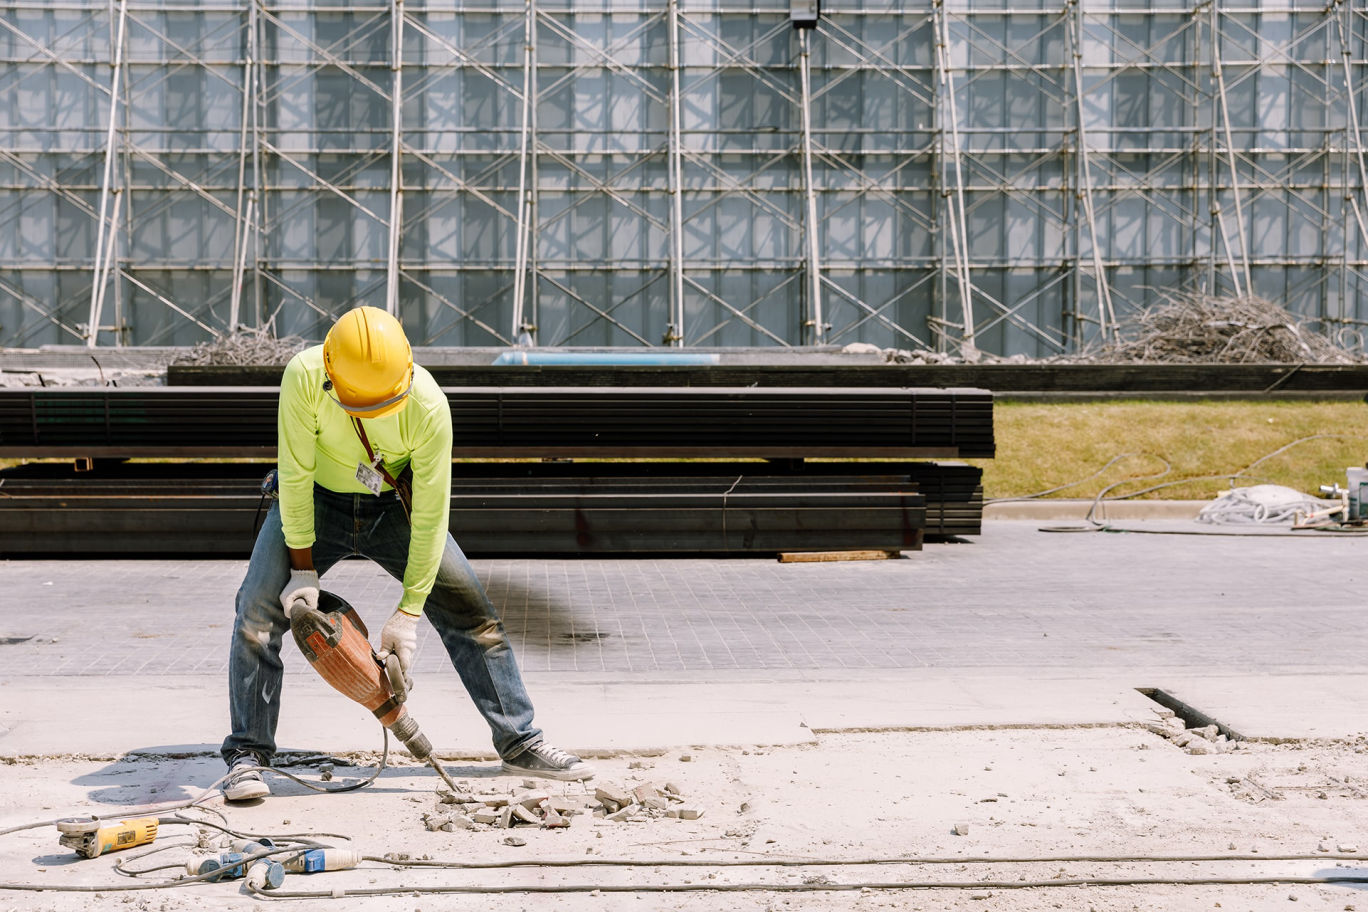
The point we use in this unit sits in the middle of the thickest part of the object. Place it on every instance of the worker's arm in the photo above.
(431, 464)
(296, 448)
(297, 456)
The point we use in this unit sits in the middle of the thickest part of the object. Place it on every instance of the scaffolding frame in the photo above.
(965, 178)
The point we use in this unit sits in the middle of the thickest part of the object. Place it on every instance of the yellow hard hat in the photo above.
(369, 363)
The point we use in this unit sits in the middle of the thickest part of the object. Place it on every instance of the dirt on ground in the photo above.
(1016, 819)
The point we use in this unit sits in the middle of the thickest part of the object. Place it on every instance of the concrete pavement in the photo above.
(1018, 628)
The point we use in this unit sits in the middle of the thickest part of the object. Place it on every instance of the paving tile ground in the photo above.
(1014, 599)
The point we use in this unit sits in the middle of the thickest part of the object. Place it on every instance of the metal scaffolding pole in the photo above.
(246, 201)
(257, 215)
(522, 330)
(1224, 104)
(1355, 135)
(105, 238)
(954, 197)
(1106, 316)
(396, 212)
(674, 331)
(815, 328)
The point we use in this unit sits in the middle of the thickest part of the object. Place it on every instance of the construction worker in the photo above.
(357, 418)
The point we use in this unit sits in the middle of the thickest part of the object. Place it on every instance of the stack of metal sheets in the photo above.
(511, 422)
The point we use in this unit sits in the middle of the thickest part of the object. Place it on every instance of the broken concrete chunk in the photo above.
(487, 815)
(505, 817)
(533, 799)
(563, 805)
(657, 804)
(686, 758)
(690, 813)
(555, 821)
(435, 822)
(1198, 746)
(1208, 731)
(619, 816)
(1347, 848)
(514, 841)
(671, 789)
(494, 801)
(642, 792)
(960, 829)
(618, 796)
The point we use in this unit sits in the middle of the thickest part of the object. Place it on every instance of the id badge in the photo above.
(369, 477)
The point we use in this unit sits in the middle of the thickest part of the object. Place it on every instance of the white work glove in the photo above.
(302, 589)
(400, 638)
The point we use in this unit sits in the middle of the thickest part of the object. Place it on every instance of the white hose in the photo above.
(1264, 504)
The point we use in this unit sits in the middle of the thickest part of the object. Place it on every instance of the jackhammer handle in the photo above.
(399, 682)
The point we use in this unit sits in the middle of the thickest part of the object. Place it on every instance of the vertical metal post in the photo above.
(1230, 153)
(521, 253)
(940, 308)
(531, 313)
(1326, 205)
(1106, 317)
(674, 331)
(257, 196)
(109, 218)
(396, 217)
(1355, 135)
(814, 322)
(1208, 283)
(245, 201)
(955, 208)
(1071, 322)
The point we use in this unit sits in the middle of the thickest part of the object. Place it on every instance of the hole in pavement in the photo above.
(1192, 716)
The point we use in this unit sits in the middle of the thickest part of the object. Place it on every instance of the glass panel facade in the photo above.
(622, 173)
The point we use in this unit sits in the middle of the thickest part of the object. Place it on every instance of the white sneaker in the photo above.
(244, 782)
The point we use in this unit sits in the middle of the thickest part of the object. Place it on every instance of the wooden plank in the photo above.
(811, 557)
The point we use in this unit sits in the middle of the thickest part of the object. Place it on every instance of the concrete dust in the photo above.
(1020, 793)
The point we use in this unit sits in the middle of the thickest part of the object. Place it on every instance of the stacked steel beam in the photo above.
(509, 422)
(784, 502)
(214, 509)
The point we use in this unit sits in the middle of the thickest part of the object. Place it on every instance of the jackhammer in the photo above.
(334, 640)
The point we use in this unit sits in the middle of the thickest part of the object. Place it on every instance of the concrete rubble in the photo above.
(1197, 741)
(531, 804)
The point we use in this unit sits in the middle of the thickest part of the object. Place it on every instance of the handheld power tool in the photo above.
(92, 837)
(334, 640)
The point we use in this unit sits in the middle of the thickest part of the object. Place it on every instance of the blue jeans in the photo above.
(373, 527)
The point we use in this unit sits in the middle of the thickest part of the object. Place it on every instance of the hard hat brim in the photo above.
(376, 409)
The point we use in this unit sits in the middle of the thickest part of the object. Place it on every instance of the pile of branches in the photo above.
(1192, 327)
(244, 346)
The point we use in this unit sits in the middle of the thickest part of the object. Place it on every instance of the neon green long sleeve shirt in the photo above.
(317, 443)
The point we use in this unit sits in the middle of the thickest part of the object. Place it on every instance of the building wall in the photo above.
(1018, 175)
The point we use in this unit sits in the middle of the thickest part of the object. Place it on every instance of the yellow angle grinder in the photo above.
(92, 837)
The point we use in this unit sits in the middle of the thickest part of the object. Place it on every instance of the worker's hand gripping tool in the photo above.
(334, 640)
